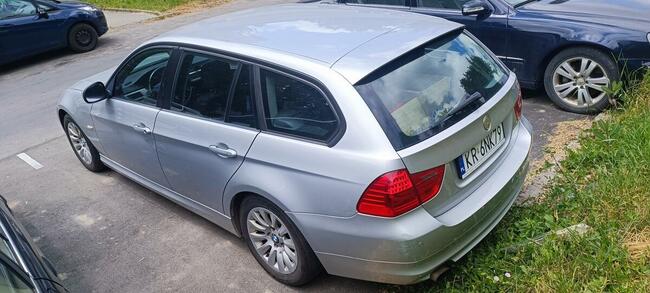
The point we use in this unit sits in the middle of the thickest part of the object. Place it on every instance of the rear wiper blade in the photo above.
(466, 100)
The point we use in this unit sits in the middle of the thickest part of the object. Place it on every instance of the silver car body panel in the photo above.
(72, 103)
(115, 121)
(184, 149)
(406, 249)
(319, 185)
(202, 210)
(354, 41)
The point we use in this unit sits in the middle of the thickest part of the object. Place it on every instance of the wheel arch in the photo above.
(61, 114)
(234, 206)
(572, 45)
(75, 23)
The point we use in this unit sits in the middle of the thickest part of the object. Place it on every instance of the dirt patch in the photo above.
(564, 138)
(190, 7)
(638, 244)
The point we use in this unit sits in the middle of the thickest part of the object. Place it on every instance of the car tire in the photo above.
(81, 146)
(573, 78)
(306, 265)
(82, 38)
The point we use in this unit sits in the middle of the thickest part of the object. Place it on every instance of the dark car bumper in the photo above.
(634, 69)
(102, 25)
(632, 65)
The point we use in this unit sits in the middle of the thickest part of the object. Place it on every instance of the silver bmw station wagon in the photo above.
(368, 143)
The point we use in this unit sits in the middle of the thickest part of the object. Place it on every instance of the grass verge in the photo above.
(155, 5)
(604, 184)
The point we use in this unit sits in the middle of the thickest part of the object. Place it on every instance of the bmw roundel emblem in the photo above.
(487, 123)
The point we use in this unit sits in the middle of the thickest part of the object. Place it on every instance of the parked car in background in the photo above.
(30, 27)
(23, 268)
(372, 143)
(572, 48)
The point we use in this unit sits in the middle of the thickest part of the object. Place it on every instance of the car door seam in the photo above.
(245, 156)
(155, 148)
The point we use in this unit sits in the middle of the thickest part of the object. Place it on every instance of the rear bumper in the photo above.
(407, 249)
(633, 65)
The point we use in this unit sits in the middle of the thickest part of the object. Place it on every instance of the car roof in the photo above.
(351, 40)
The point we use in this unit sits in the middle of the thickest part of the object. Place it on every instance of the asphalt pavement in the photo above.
(105, 233)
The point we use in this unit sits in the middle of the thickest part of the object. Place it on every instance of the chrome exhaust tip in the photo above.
(435, 275)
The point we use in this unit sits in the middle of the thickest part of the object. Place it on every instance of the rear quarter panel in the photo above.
(307, 177)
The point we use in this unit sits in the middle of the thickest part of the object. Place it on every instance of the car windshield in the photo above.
(431, 88)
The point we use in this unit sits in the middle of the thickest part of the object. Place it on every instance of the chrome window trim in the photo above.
(511, 58)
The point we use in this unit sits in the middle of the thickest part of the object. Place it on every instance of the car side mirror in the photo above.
(95, 92)
(476, 7)
(42, 13)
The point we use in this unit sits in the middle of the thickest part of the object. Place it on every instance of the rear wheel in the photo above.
(82, 38)
(83, 149)
(276, 243)
(576, 79)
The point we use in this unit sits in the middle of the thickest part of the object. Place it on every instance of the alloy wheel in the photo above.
(272, 240)
(79, 144)
(580, 82)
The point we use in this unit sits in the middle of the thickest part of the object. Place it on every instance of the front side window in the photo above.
(442, 4)
(16, 8)
(431, 88)
(379, 2)
(141, 79)
(12, 277)
(5, 248)
(296, 108)
(203, 86)
(11, 282)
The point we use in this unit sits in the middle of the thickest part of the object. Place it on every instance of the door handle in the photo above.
(222, 150)
(140, 127)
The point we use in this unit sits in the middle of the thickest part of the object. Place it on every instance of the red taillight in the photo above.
(519, 105)
(398, 192)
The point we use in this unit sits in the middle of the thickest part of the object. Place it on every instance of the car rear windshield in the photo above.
(431, 88)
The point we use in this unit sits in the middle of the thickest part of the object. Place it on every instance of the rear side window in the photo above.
(296, 108)
(431, 88)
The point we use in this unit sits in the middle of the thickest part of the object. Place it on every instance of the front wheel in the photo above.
(83, 149)
(82, 38)
(276, 243)
(576, 80)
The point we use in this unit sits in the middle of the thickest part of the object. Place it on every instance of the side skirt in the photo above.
(204, 211)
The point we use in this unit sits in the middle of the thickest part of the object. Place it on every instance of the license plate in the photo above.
(478, 154)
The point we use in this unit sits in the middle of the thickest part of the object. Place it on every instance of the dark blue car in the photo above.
(572, 48)
(29, 27)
